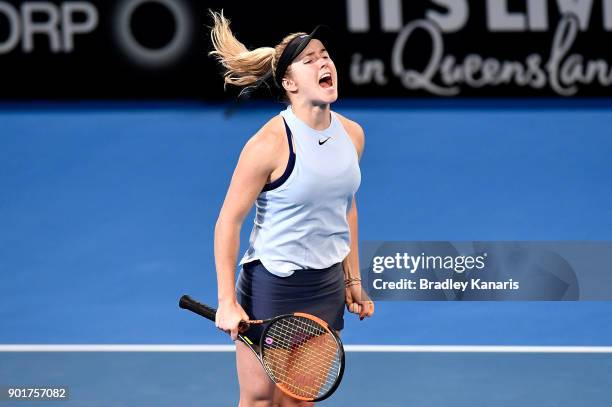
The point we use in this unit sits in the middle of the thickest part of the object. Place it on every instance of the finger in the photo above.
(349, 300)
(243, 327)
(363, 311)
(369, 308)
(234, 334)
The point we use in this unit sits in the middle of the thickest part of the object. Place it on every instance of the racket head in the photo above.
(303, 356)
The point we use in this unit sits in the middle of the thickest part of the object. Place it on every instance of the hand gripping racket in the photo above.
(299, 352)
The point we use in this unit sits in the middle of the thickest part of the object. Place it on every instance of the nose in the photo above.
(323, 62)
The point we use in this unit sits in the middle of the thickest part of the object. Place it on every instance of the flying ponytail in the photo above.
(243, 67)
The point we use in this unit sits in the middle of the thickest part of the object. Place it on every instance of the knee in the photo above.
(283, 400)
(250, 401)
(257, 397)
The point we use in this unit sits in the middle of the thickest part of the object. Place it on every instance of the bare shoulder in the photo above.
(355, 131)
(265, 146)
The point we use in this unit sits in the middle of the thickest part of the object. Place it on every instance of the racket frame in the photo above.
(186, 302)
(325, 325)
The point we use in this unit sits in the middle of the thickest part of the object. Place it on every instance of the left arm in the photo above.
(357, 301)
(351, 262)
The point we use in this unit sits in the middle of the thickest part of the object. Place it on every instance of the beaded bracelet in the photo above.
(351, 281)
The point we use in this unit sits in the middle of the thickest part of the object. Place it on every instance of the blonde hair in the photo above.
(243, 67)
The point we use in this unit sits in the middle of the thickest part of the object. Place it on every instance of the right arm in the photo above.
(258, 160)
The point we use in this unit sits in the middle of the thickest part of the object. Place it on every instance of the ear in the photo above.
(289, 85)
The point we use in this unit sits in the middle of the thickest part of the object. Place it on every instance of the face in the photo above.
(312, 75)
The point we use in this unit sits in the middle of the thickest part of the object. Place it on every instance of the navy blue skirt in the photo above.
(264, 295)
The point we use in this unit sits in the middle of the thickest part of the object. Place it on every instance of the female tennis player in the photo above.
(301, 170)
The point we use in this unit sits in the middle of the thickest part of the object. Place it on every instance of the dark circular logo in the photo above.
(153, 33)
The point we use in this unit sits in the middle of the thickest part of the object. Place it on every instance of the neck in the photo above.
(316, 116)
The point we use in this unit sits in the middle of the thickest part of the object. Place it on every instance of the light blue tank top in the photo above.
(302, 223)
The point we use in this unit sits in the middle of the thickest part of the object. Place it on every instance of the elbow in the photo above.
(220, 224)
(224, 223)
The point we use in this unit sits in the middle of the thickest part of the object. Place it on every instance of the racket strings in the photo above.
(302, 356)
(282, 363)
(299, 338)
(307, 334)
(301, 369)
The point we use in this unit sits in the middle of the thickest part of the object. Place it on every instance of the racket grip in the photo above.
(188, 303)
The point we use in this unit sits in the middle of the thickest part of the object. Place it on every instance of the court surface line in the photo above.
(348, 348)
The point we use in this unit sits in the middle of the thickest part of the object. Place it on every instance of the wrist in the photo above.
(351, 281)
(227, 300)
(349, 274)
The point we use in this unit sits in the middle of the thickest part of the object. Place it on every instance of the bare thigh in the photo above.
(256, 388)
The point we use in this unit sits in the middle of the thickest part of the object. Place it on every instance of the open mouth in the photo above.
(326, 81)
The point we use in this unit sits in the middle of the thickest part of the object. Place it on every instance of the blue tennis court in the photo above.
(107, 213)
(372, 379)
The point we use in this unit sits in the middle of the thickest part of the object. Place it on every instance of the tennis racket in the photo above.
(299, 352)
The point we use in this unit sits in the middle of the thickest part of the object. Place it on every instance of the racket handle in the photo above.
(188, 303)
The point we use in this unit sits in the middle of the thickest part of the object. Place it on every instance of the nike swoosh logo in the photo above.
(321, 142)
